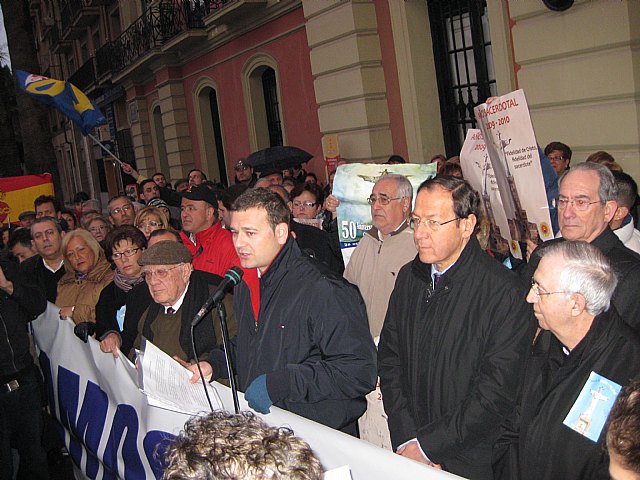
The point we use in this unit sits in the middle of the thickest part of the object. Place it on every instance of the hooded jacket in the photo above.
(449, 359)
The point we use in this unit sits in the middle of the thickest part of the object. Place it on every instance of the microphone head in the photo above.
(234, 274)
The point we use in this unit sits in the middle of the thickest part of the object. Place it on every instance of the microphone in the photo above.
(230, 280)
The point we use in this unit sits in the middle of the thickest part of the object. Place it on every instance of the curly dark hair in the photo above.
(623, 433)
(313, 188)
(240, 446)
(124, 232)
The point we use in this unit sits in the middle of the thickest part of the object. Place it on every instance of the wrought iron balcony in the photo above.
(85, 76)
(75, 17)
(157, 26)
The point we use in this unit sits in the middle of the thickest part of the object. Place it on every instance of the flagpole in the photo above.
(120, 162)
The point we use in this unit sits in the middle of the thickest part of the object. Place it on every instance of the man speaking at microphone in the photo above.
(178, 292)
(303, 341)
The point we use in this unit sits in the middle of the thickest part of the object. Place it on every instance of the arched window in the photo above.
(263, 103)
(212, 156)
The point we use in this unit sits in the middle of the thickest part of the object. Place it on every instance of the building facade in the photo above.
(202, 83)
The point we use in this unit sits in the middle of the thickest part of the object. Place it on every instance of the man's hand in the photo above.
(331, 204)
(5, 284)
(207, 371)
(257, 395)
(412, 451)
(129, 170)
(111, 343)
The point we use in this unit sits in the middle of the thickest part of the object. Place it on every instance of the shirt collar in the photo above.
(176, 306)
(51, 269)
(434, 270)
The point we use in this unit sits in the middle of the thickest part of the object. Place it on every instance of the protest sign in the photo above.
(112, 432)
(353, 184)
(511, 144)
(477, 170)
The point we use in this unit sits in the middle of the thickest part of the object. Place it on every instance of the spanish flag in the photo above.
(18, 193)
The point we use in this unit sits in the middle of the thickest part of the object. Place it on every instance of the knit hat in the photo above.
(158, 203)
(166, 252)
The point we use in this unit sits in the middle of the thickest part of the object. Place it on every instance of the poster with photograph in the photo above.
(511, 144)
(353, 184)
(478, 171)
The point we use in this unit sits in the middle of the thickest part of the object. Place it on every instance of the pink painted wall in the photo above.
(224, 66)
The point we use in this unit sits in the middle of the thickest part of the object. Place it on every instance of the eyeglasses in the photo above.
(433, 225)
(130, 252)
(150, 223)
(122, 209)
(556, 158)
(240, 168)
(579, 204)
(381, 199)
(98, 229)
(537, 290)
(161, 273)
(304, 204)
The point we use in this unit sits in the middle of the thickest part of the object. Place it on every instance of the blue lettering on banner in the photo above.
(88, 427)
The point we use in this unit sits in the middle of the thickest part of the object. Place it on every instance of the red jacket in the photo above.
(214, 251)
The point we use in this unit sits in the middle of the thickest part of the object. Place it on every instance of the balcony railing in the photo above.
(76, 15)
(85, 76)
(159, 24)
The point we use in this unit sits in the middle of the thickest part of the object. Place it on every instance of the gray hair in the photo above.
(588, 272)
(55, 221)
(403, 185)
(608, 190)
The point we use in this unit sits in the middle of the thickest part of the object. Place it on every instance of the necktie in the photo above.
(436, 279)
(170, 311)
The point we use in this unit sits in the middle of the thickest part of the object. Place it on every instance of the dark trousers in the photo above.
(21, 426)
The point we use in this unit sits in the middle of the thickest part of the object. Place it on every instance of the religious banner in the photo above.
(477, 170)
(112, 432)
(511, 144)
(353, 185)
(18, 193)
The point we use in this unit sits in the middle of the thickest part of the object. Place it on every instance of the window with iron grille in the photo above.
(272, 107)
(464, 64)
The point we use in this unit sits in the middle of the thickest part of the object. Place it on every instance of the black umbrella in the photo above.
(277, 158)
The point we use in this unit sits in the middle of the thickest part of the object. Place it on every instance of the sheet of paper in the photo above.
(166, 384)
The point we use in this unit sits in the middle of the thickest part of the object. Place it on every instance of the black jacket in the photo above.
(545, 447)
(16, 310)
(34, 273)
(207, 333)
(449, 360)
(311, 340)
(112, 298)
(626, 263)
(317, 243)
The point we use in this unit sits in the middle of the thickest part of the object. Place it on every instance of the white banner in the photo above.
(111, 431)
(478, 171)
(513, 151)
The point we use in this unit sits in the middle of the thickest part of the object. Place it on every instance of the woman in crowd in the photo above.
(70, 218)
(149, 219)
(87, 273)
(306, 201)
(96, 225)
(127, 291)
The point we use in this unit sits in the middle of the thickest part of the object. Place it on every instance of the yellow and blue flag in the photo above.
(65, 96)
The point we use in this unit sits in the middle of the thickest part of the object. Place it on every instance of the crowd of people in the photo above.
(427, 343)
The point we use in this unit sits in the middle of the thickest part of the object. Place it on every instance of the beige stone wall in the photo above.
(349, 81)
(580, 70)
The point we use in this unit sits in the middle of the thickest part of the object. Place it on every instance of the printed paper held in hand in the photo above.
(166, 384)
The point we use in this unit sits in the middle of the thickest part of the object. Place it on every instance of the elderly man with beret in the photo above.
(178, 291)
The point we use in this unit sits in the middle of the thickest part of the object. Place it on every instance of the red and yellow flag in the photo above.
(18, 193)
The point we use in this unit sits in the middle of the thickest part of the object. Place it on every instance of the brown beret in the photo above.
(166, 252)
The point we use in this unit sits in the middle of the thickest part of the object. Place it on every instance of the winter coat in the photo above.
(84, 294)
(374, 267)
(112, 299)
(213, 251)
(449, 360)
(310, 339)
(546, 448)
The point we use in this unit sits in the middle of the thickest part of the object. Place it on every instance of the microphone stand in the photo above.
(222, 314)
